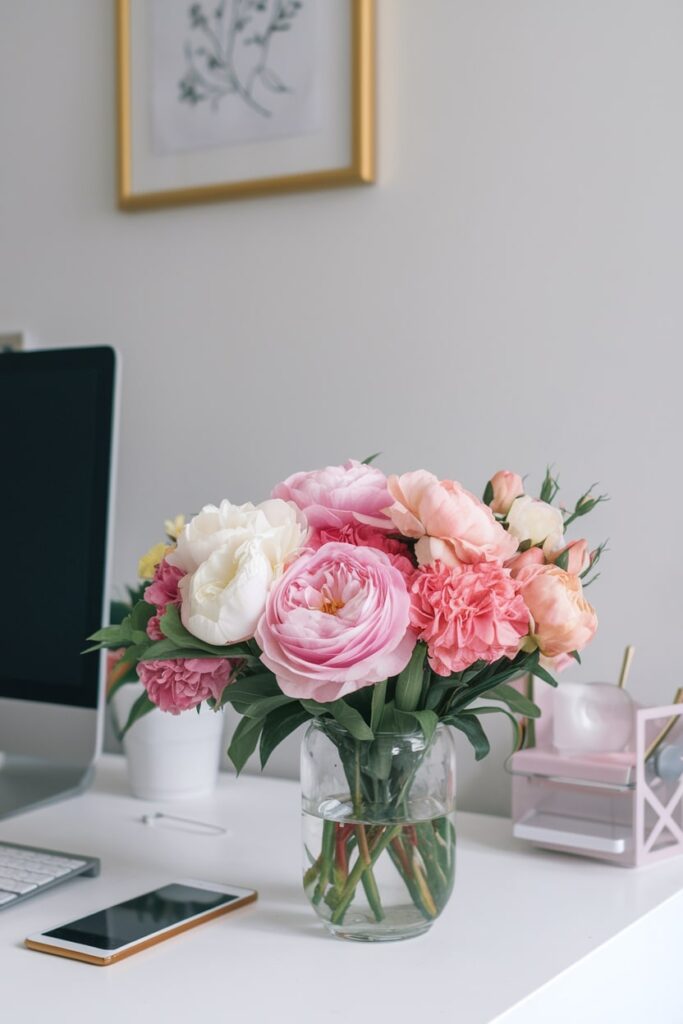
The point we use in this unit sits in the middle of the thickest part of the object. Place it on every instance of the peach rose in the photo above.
(451, 525)
(563, 620)
(506, 487)
(578, 558)
(532, 556)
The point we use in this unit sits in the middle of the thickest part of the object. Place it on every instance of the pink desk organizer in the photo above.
(600, 805)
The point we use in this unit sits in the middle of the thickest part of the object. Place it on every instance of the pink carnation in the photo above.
(338, 495)
(465, 615)
(366, 537)
(336, 621)
(179, 684)
(161, 592)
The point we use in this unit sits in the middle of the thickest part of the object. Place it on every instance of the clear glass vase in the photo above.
(378, 830)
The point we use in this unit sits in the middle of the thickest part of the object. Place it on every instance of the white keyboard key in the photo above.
(11, 885)
(7, 897)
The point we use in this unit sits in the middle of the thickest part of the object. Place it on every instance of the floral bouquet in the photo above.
(382, 610)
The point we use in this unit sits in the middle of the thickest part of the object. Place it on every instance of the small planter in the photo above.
(378, 830)
(169, 757)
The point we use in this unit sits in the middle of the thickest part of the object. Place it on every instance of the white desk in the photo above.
(574, 940)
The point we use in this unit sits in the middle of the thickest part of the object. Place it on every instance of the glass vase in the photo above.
(378, 830)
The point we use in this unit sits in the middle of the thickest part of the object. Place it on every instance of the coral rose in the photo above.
(338, 495)
(563, 620)
(506, 486)
(465, 615)
(577, 554)
(179, 684)
(336, 621)
(452, 525)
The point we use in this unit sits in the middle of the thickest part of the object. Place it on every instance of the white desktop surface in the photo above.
(573, 940)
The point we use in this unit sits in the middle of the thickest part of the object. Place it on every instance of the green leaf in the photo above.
(488, 494)
(380, 757)
(314, 708)
(510, 717)
(515, 700)
(264, 705)
(277, 726)
(245, 690)
(576, 656)
(243, 742)
(562, 561)
(379, 696)
(370, 459)
(541, 673)
(114, 636)
(409, 684)
(173, 629)
(427, 720)
(350, 719)
(143, 705)
(471, 727)
(141, 614)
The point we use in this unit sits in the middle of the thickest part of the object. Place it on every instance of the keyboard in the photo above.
(26, 871)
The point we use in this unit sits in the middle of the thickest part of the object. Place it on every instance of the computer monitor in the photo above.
(56, 458)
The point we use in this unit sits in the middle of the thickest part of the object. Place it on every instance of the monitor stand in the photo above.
(27, 782)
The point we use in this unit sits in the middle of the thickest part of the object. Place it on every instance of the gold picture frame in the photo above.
(359, 171)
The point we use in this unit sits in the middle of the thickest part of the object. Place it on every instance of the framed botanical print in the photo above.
(226, 98)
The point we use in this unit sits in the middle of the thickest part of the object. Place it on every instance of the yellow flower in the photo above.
(150, 561)
(174, 527)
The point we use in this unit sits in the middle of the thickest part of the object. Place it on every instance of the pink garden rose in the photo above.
(161, 592)
(336, 621)
(468, 614)
(339, 495)
(179, 684)
(366, 537)
(506, 487)
(563, 620)
(452, 525)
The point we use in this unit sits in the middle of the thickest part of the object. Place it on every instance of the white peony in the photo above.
(530, 519)
(232, 555)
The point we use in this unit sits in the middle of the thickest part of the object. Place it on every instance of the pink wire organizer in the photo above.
(615, 807)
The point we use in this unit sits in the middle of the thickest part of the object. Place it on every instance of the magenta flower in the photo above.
(338, 495)
(179, 684)
(336, 621)
(475, 613)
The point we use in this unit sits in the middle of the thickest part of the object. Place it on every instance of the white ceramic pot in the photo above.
(170, 757)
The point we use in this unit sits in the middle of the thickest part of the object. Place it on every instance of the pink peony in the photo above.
(338, 495)
(506, 487)
(164, 588)
(336, 621)
(465, 615)
(563, 620)
(452, 525)
(161, 592)
(366, 537)
(182, 683)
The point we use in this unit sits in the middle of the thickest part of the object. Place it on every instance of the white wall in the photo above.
(508, 294)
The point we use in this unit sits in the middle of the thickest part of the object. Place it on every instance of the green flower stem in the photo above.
(312, 872)
(404, 868)
(368, 878)
(359, 869)
(327, 855)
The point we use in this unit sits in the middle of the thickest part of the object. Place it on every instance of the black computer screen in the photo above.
(55, 451)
